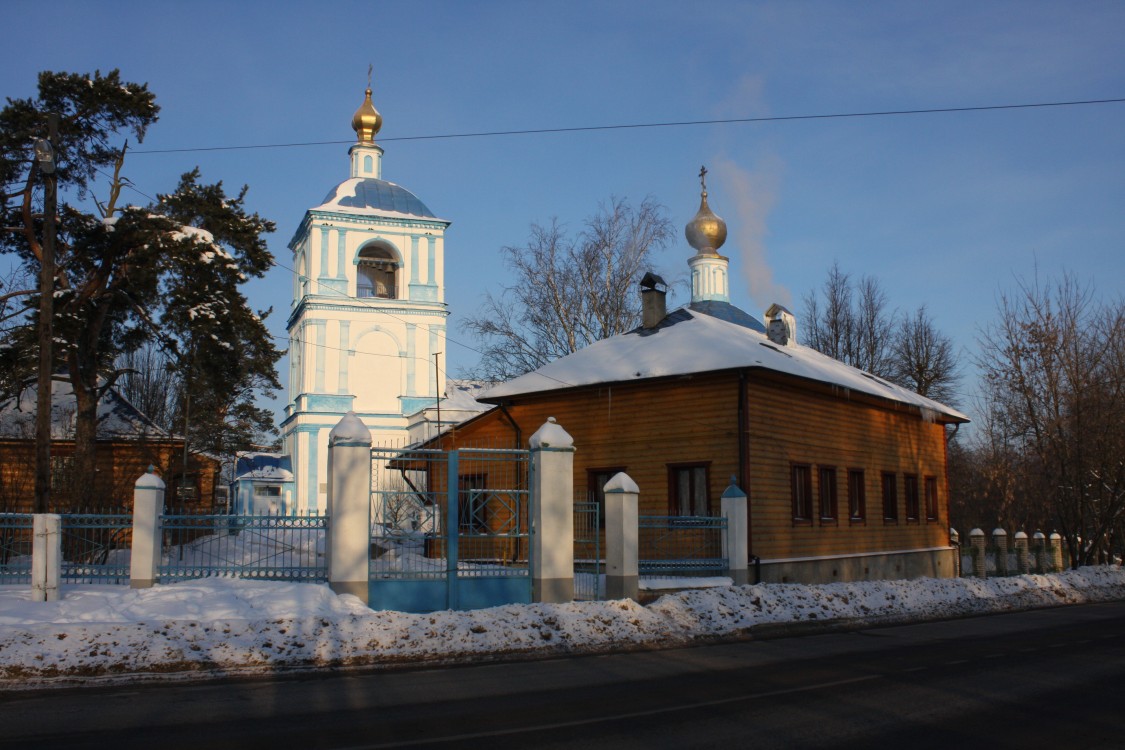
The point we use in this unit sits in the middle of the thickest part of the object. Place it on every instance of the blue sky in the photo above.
(946, 210)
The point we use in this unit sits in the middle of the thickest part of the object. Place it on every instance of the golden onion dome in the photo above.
(367, 120)
(706, 232)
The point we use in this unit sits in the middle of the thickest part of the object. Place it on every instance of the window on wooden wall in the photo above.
(910, 489)
(890, 497)
(688, 493)
(826, 493)
(596, 480)
(801, 487)
(857, 497)
(931, 498)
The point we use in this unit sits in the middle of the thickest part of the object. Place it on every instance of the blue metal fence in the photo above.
(15, 547)
(589, 567)
(96, 547)
(681, 545)
(260, 547)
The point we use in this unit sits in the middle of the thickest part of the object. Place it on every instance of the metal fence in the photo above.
(15, 547)
(260, 547)
(96, 547)
(681, 545)
(589, 567)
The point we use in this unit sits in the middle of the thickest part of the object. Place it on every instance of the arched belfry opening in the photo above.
(377, 273)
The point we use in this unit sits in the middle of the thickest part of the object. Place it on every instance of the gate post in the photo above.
(621, 533)
(736, 542)
(976, 547)
(552, 514)
(1000, 542)
(46, 557)
(1039, 548)
(1056, 552)
(148, 506)
(349, 507)
(1022, 564)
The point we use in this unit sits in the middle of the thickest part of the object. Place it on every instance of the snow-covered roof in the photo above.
(694, 340)
(117, 418)
(372, 197)
(461, 395)
(275, 467)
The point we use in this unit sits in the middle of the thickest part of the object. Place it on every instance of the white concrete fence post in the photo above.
(976, 549)
(349, 507)
(621, 537)
(1039, 550)
(552, 514)
(1023, 566)
(736, 540)
(1000, 543)
(1055, 542)
(46, 557)
(148, 506)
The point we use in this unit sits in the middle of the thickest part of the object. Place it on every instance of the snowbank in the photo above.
(222, 626)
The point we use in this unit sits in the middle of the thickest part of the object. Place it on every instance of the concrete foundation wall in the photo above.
(939, 563)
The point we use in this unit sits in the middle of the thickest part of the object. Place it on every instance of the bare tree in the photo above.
(569, 292)
(850, 321)
(922, 358)
(1054, 367)
(150, 382)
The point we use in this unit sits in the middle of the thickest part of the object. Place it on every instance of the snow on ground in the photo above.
(228, 626)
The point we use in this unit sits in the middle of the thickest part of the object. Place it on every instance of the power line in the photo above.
(641, 125)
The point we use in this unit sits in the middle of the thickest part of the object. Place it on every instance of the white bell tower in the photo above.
(368, 314)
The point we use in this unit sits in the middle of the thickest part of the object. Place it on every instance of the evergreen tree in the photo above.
(168, 273)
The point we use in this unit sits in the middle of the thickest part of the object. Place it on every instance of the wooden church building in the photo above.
(845, 472)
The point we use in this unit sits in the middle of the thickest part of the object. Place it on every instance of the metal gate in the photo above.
(589, 568)
(449, 529)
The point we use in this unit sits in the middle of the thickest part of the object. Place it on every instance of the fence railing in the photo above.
(96, 547)
(261, 547)
(681, 545)
(15, 547)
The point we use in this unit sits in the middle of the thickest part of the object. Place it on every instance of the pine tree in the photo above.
(168, 273)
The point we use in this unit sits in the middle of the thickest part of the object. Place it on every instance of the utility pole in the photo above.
(437, 392)
(45, 158)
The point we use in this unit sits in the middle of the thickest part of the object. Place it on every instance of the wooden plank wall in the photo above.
(791, 425)
(644, 427)
(640, 428)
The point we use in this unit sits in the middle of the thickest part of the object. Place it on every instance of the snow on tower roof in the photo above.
(372, 197)
(691, 341)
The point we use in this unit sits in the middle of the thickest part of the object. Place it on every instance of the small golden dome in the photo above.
(367, 120)
(706, 232)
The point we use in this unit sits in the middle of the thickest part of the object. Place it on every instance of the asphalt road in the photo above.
(1049, 678)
